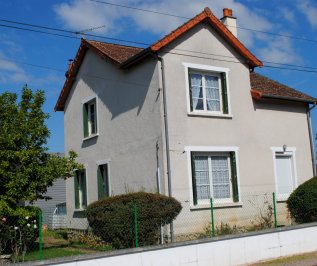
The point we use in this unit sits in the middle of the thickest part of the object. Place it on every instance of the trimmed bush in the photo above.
(112, 219)
(302, 203)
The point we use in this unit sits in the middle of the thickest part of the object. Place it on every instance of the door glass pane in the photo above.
(284, 174)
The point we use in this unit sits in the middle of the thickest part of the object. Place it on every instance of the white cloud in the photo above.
(10, 71)
(279, 50)
(84, 14)
(307, 8)
(287, 14)
(80, 14)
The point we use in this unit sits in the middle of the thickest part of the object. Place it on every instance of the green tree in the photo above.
(26, 167)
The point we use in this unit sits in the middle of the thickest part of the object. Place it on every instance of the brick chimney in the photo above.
(230, 21)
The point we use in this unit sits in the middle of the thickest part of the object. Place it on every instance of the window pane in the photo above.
(197, 91)
(92, 118)
(220, 177)
(212, 93)
(202, 177)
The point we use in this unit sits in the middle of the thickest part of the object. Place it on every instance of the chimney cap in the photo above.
(227, 12)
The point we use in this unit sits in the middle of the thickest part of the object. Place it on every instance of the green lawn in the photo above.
(303, 259)
(55, 252)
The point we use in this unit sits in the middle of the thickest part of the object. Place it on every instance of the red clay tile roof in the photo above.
(115, 52)
(216, 24)
(263, 87)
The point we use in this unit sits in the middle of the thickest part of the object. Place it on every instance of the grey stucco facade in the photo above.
(131, 135)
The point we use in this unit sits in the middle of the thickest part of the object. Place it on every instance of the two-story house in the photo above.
(187, 117)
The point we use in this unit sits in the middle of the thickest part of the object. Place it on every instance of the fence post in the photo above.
(40, 235)
(136, 229)
(212, 217)
(274, 208)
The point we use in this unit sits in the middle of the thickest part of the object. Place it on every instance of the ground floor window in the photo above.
(103, 181)
(80, 189)
(214, 175)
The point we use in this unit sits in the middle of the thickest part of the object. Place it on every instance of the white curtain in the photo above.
(202, 177)
(220, 177)
(196, 87)
(212, 93)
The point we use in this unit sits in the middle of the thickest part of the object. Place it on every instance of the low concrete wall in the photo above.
(241, 250)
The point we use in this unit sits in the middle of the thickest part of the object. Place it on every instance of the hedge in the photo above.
(302, 203)
(112, 219)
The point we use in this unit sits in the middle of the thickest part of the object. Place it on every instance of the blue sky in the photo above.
(21, 51)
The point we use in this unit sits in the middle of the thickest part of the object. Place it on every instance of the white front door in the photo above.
(285, 175)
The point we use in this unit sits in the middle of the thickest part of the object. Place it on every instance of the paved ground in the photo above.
(308, 259)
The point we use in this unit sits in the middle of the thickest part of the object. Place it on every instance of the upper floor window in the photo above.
(207, 90)
(90, 118)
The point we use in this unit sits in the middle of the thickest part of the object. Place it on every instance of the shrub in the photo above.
(18, 231)
(112, 219)
(302, 203)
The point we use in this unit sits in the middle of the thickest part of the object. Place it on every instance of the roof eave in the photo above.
(136, 58)
(257, 95)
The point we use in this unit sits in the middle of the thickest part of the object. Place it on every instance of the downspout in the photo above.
(312, 150)
(168, 161)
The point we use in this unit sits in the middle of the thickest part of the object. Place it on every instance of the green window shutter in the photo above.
(194, 178)
(100, 181)
(224, 91)
(76, 190)
(84, 189)
(85, 119)
(190, 92)
(234, 177)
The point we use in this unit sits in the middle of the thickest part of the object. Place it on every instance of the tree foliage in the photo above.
(26, 167)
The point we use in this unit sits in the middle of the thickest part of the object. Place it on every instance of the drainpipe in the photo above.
(312, 150)
(168, 161)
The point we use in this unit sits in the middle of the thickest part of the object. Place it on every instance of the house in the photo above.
(187, 117)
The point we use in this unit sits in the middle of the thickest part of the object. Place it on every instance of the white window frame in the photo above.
(210, 150)
(107, 162)
(89, 100)
(289, 152)
(207, 70)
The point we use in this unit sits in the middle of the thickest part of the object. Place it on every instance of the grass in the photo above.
(56, 245)
(307, 257)
(54, 252)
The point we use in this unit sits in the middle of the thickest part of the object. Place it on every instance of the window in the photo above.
(285, 172)
(207, 90)
(90, 118)
(214, 175)
(80, 189)
(103, 181)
